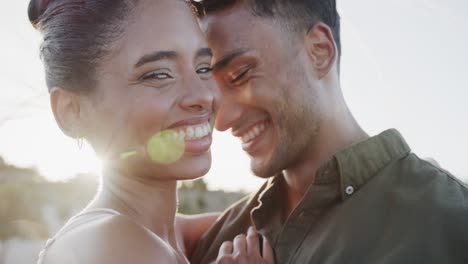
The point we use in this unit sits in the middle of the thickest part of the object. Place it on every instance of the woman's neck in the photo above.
(151, 203)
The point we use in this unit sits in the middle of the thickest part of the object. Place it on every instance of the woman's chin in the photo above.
(187, 167)
(191, 167)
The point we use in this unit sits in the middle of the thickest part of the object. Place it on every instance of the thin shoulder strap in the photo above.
(77, 220)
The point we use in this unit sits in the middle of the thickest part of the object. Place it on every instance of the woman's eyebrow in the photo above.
(204, 52)
(156, 56)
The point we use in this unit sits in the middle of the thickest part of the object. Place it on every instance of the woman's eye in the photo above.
(204, 70)
(156, 76)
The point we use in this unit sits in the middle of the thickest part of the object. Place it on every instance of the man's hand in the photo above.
(245, 250)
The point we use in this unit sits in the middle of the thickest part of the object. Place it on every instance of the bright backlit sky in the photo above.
(404, 65)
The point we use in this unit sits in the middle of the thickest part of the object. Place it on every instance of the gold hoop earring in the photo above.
(76, 130)
(79, 142)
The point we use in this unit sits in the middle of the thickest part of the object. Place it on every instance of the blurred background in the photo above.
(404, 65)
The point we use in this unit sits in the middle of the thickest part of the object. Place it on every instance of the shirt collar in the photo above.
(343, 175)
(360, 162)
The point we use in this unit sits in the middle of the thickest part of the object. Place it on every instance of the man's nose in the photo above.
(228, 114)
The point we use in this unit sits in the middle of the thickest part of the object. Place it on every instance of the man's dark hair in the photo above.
(299, 15)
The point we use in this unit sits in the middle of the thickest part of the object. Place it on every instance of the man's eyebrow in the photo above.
(204, 52)
(155, 56)
(224, 61)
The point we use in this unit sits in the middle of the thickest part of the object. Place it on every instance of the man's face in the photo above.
(269, 92)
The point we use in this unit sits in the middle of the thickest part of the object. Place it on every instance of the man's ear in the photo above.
(66, 108)
(321, 48)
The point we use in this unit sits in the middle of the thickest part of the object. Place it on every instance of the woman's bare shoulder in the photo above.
(110, 239)
(192, 227)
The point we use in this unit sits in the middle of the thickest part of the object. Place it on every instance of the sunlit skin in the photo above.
(172, 92)
(156, 81)
(287, 85)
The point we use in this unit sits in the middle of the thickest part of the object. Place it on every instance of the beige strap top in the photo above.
(74, 222)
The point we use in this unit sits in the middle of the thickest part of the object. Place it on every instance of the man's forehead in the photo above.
(227, 31)
(238, 15)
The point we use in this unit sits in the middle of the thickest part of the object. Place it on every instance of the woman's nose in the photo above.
(199, 95)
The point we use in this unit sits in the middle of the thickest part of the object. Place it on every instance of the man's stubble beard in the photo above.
(296, 136)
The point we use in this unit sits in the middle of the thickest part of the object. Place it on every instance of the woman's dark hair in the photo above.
(77, 34)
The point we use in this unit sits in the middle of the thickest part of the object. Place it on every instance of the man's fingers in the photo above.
(267, 251)
(253, 245)
(240, 245)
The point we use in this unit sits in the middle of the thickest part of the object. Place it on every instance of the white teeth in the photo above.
(198, 132)
(256, 131)
(182, 135)
(253, 132)
(194, 132)
(190, 132)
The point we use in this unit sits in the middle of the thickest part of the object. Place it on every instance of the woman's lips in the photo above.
(197, 137)
(199, 145)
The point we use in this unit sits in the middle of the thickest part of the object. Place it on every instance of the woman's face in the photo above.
(155, 80)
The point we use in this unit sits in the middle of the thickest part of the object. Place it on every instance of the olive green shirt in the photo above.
(374, 202)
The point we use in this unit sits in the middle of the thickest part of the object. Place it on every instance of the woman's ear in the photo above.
(66, 108)
(321, 48)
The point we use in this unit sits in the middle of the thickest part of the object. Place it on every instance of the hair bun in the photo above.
(36, 9)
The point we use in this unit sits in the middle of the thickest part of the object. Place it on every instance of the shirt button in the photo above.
(349, 190)
(301, 215)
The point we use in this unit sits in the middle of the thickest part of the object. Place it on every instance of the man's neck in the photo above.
(332, 138)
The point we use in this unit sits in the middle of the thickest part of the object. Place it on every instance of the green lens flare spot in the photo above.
(127, 155)
(165, 147)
